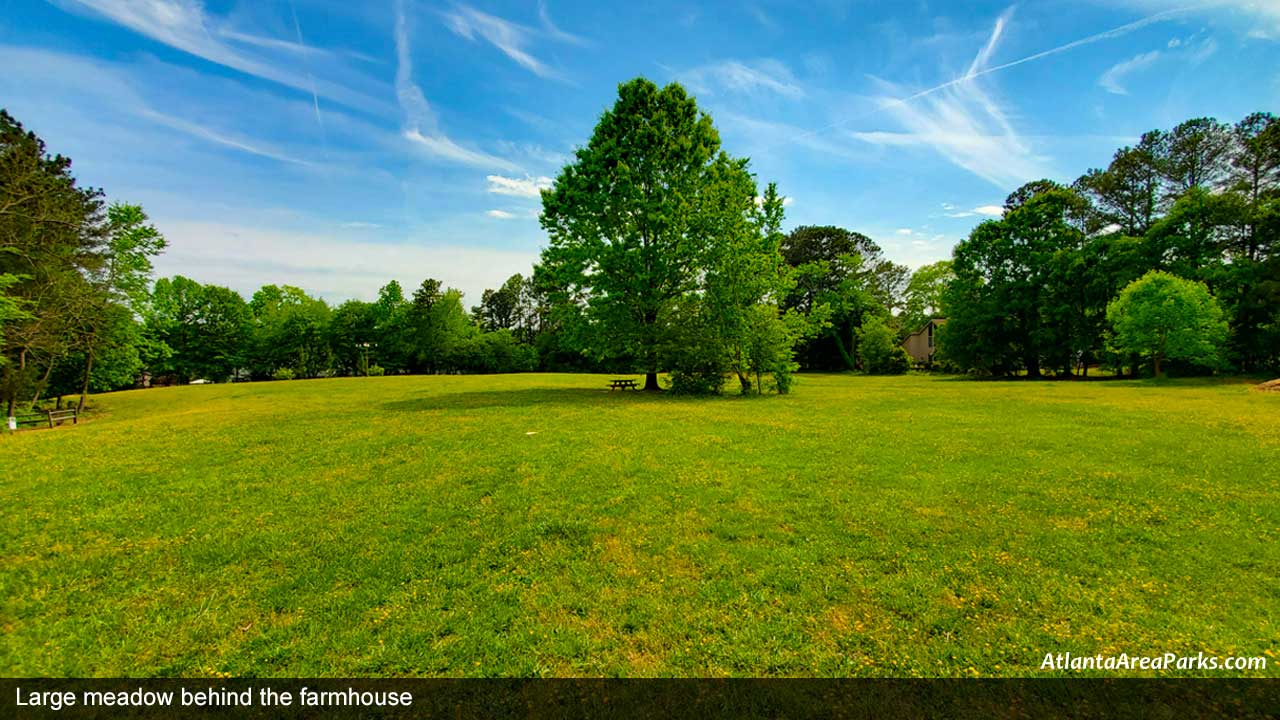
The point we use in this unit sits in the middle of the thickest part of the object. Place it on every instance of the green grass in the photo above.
(540, 525)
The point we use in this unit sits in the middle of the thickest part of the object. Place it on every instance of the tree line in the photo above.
(664, 256)
(1035, 291)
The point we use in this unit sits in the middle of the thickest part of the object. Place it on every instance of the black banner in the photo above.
(702, 699)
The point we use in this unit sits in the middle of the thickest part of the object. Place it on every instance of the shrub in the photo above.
(879, 348)
(375, 371)
(283, 374)
(694, 353)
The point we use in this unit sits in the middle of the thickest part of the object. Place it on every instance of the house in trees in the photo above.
(920, 345)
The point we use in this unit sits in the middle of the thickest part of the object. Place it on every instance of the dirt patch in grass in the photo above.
(1269, 386)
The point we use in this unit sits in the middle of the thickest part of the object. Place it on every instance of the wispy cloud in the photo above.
(1112, 79)
(760, 77)
(965, 124)
(184, 25)
(226, 140)
(761, 136)
(500, 214)
(1258, 18)
(529, 187)
(420, 124)
(554, 32)
(762, 17)
(509, 37)
(987, 70)
(990, 210)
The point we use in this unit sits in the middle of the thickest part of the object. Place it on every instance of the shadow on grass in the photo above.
(519, 398)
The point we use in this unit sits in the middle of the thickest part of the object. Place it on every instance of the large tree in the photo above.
(1127, 193)
(631, 219)
(52, 237)
(1164, 317)
(207, 327)
(1004, 307)
(846, 275)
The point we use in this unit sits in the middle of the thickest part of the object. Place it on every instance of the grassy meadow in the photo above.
(540, 525)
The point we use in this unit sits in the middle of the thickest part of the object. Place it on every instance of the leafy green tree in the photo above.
(998, 318)
(10, 307)
(1128, 193)
(353, 337)
(1195, 154)
(879, 349)
(845, 276)
(922, 299)
(745, 270)
(394, 352)
(435, 323)
(629, 220)
(1164, 317)
(290, 331)
(207, 328)
(131, 245)
(52, 236)
(1255, 155)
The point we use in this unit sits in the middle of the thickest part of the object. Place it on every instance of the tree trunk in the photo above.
(84, 389)
(1157, 368)
(651, 382)
(1033, 366)
(44, 381)
(11, 381)
(848, 361)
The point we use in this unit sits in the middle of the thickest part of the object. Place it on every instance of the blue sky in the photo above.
(335, 145)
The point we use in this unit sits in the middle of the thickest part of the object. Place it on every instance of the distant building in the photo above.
(920, 345)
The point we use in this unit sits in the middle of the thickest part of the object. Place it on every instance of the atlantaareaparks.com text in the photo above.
(1166, 661)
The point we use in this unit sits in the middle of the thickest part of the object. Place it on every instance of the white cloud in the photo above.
(500, 214)
(760, 77)
(529, 187)
(245, 258)
(358, 225)
(511, 38)
(990, 210)
(420, 125)
(184, 25)
(903, 231)
(1111, 79)
(964, 123)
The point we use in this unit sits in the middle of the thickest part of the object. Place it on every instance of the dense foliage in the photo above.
(663, 256)
(1201, 202)
(1163, 317)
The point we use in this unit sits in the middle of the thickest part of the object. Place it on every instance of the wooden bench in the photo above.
(623, 385)
(59, 416)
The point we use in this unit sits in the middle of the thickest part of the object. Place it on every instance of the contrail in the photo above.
(315, 98)
(975, 73)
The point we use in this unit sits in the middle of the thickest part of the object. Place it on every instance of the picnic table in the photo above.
(623, 385)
